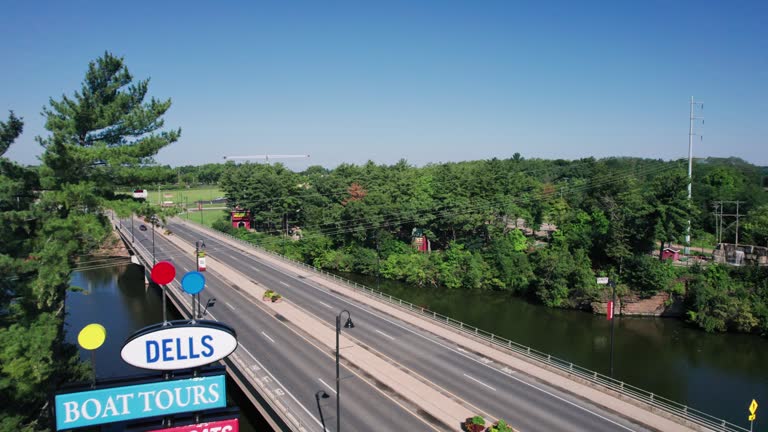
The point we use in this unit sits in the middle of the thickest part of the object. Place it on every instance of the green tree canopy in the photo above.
(104, 130)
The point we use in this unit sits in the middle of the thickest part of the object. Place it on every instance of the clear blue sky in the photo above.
(425, 81)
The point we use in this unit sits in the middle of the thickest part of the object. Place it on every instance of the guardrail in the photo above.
(667, 405)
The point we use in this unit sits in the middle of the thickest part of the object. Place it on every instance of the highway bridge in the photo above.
(401, 368)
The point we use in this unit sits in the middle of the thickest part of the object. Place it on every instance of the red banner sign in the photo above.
(231, 425)
(609, 310)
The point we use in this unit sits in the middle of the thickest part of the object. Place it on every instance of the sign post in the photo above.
(162, 274)
(752, 415)
(609, 310)
(91, 337)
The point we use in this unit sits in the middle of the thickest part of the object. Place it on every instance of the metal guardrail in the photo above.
(667, 405)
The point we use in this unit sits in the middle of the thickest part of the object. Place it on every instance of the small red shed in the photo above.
(669, 253)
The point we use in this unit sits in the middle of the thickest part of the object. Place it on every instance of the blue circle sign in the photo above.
(193, 282)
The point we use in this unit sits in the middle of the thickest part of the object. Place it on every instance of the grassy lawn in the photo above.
(189, 196)
(208, 216)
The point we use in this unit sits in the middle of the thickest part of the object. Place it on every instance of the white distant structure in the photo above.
(266, 157)
(140, 194)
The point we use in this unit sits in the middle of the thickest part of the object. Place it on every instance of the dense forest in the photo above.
(99, 139)
(543, 229)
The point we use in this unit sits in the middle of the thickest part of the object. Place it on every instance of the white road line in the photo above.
(267, 336)
(326, 305)
(283, 387)
(326, 384)
(230, 306)
(284, 283)
(384, 334)
(479, 382)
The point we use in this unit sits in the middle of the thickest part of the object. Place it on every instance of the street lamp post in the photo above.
(378, 262)
(613, 305)
(199, 244)
(131, 228)
(152, 221)
(347, 324)
(609, 311)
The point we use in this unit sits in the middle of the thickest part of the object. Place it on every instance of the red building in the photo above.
(241, 219)
(669, 253)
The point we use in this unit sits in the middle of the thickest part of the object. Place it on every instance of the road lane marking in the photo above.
(326, 305)
(479, 382)
(326, 384)
(267, 336)
(284, 283)
(230, 306)
(282, 386)
(384, 334)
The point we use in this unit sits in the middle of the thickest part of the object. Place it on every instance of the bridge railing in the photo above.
(667, 405)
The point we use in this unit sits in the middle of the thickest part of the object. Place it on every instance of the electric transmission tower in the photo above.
(693, 118)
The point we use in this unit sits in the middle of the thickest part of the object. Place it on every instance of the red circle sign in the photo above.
(163, 273)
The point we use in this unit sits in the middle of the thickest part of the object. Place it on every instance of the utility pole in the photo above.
(723, 215)
(737, 223)
(690, 169)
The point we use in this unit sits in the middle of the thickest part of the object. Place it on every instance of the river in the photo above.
(716, 373)
(116, 298)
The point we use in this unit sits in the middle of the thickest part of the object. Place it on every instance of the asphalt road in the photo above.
(525, 403)
(295, 369)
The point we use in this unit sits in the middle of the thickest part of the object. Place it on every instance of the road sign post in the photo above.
(609, 310)
(752, 415)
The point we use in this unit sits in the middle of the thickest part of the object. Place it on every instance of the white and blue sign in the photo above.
(116, 404)
(179, 345)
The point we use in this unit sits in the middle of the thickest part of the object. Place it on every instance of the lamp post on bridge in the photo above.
(153, 220)
(199, 248)
(609, 311)
(347, 324)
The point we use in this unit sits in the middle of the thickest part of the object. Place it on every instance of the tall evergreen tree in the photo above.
(105, 130)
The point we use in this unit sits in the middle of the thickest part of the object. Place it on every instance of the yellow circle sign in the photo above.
(92, 336)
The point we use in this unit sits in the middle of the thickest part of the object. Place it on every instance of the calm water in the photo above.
(716, 373)
(117, 299)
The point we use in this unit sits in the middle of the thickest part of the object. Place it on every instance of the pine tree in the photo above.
(104, 131)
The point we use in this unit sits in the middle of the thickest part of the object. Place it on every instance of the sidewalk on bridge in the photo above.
(436, 404)
(656, 419)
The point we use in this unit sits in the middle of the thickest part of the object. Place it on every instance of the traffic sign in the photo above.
(753, 407)
(602, 281)
(752, 417)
